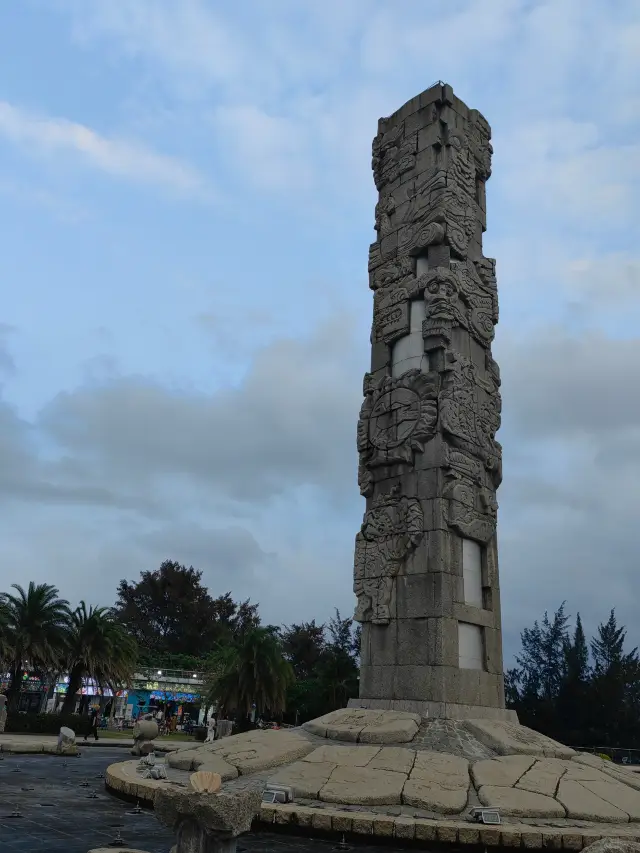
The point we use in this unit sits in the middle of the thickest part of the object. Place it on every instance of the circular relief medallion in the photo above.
(393, 418)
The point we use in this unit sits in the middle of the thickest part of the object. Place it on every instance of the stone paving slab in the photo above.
(364, 726)
(512, 738)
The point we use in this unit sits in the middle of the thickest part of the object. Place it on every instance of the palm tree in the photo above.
(251, 672)
(98, 648)
(5, 638)
(36, 624)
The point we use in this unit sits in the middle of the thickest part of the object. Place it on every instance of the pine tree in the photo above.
(540, 672)
(572, 704)
(615, 686)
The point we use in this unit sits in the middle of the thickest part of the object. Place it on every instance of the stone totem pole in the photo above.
(426, 561)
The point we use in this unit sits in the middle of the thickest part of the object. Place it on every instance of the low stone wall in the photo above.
(122, 780)
(29, 747)
(408, 829)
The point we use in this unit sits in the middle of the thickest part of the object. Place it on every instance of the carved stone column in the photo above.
(426, 560)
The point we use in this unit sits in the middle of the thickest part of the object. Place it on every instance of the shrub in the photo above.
(46, 724)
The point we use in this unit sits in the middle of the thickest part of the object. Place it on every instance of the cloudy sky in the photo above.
(186, 205)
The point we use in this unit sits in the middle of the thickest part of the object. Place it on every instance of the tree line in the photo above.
(168, 619)
(584, 693)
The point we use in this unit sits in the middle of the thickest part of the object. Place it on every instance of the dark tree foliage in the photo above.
(170, 613)
(584, 694)
(325, 661)
(303, 646)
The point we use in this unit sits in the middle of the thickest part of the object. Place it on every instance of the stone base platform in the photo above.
(436, 710)
(390, 774)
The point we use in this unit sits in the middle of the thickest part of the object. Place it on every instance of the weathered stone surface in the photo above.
(122, 778)
(582, 804)
(501, 772)
(348, 756)
(543, 777)
(230, 814)
(363, 786)
(429, 463)
(365, 726)
(438, 782)
(247, 753)
(394, 758)
(619, 795)
(514, 801)
(510, 738)
(307, 778)
(613, 845)
(200, 759)
(621, 774)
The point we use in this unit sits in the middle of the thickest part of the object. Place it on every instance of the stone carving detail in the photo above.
(391, 272)
(479, 136)
(470, 414)
(385, 209)
(473, 509)
(443, 307)
(431, 431)
(392, 155)
(390, 314)
(391, 530)
(397, 418)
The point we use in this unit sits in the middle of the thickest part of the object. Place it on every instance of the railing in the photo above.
(157, 674)
(618, 754)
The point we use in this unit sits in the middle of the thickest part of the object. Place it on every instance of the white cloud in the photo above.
(121, 158)
(295, 91)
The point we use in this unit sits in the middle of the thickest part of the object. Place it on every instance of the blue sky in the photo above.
(186, 205)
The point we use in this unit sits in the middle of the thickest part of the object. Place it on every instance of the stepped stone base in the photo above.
(436, 710)
(395, 774)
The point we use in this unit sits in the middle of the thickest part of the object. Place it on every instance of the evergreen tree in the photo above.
(573, 698)
(615, 685)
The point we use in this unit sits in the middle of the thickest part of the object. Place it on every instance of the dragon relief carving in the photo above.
(398, 416)
(392, 528)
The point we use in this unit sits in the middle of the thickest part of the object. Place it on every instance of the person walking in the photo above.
(93, 724)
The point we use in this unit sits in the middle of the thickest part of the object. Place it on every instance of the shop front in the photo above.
(33, 692)
(175, 704)
(89, 695)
